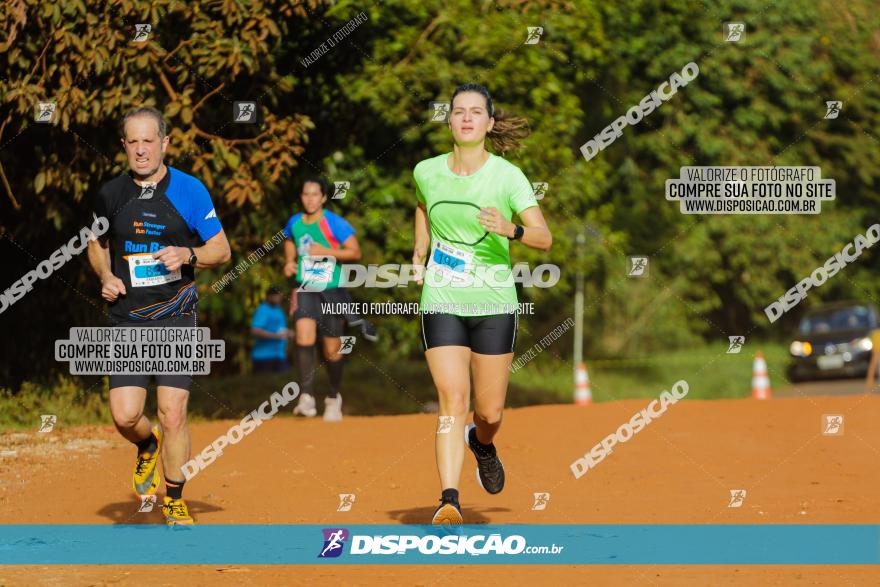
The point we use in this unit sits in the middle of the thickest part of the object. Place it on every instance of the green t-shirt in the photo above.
(317, 273)
(468, 270)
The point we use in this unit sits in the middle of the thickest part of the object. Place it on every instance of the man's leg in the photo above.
(172, 416)
(127, 409)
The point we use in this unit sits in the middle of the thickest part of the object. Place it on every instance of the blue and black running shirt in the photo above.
(177, 212)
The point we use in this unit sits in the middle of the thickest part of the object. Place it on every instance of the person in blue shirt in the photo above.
(269, 327)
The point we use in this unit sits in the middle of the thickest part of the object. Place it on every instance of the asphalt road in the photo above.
(826, 387)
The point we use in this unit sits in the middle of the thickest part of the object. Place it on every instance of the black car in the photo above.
(833, 340)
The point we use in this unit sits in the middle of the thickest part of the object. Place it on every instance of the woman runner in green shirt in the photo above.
(463, 229)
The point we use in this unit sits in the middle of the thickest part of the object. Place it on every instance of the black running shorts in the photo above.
(485, 335)
(181, 380)
(308, 305)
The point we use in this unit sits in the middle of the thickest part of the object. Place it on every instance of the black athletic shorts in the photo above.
(308, 305)
(486, 335)
(181, 380)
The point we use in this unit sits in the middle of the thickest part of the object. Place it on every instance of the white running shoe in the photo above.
(305, 406)
(333, 408)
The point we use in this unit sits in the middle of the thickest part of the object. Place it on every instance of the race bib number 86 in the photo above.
(146, 271)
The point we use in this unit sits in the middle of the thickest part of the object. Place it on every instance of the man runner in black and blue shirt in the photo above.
(162, 226)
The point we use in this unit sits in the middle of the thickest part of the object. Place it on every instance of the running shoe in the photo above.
(490, 471)
(145, 479)
(369, 331)
(305, 406)
(448, 514)
(175, 512)
(333, 408)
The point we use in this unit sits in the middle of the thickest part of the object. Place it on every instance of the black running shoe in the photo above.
(490, 471)
(449, 513)
(369, 331)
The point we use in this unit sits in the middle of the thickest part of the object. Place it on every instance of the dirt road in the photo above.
(678, 470)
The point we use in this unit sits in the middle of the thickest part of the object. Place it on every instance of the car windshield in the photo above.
(854, 317)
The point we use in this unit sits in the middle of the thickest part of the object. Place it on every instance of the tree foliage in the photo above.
(360, 113)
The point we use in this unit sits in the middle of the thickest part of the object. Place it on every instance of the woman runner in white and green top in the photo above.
(463, 230)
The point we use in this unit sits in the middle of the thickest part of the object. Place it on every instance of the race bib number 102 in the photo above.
(451, 261)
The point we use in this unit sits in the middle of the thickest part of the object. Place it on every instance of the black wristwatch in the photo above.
(518, 233)
(192, 257)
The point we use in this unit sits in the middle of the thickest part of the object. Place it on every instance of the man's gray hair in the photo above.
(145, 111)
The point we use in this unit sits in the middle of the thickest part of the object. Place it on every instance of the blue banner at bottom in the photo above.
(720, 544)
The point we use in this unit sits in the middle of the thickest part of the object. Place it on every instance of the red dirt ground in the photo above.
(678, 470)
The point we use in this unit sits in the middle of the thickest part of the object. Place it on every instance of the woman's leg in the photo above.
(449, 366)
(492, 341)
(491, 374)
(305, 363)
(305, 353)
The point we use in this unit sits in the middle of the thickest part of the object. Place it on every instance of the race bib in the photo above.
(146, 271)
(451, 261)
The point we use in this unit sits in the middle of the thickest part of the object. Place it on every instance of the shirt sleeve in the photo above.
(203, 217)
(521, 193)
(340, 227)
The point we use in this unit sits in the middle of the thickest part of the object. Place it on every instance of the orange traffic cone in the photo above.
(760, 379)
(582, 394)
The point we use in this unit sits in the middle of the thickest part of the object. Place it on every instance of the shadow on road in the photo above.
(126, 512)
